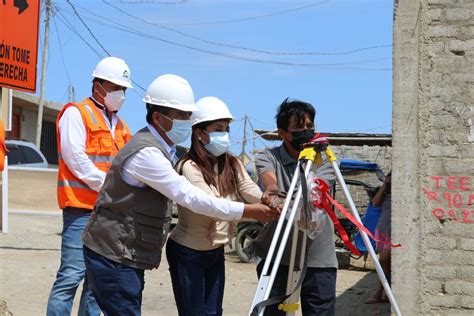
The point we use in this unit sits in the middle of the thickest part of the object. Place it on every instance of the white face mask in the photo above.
(180, 130)
(113, 100)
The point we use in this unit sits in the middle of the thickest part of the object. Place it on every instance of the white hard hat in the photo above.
(115, 70)
(210, 109)
(171, 91)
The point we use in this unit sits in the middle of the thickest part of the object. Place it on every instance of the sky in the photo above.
(251, 54)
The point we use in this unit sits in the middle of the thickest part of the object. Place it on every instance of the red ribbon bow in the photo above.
(321, 199)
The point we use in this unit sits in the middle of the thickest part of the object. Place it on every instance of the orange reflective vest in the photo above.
(3, 147)
(101, 147)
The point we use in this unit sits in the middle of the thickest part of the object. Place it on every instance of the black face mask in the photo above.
(301, 137)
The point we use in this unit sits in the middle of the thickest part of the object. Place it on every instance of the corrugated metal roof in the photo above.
(350, 139)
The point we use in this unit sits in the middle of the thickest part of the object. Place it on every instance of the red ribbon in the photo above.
(321, 199)
(317, 139)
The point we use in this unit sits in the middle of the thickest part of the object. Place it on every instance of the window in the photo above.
(15, 156)
(31, 155)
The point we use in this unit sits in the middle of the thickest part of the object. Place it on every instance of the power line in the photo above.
(154, 2)
(254, 137)
(257, 136)
(61, 50)
(261, 122)
(98, 42)
(118, 26)
(72, 28)
(346, 52)
(70, 89)
(255, 17)
(87, 27)
(237, 120)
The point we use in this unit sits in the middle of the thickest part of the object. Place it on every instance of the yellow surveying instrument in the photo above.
(309, 156)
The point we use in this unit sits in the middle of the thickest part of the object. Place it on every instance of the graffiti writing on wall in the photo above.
(453, 198)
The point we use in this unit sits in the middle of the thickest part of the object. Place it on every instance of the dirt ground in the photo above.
(29, 258)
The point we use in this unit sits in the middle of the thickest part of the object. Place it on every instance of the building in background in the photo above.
(433, 157)
(24, 119)
(361, 146)
(375, 148)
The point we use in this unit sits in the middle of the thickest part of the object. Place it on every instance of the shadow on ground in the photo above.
(352, 300)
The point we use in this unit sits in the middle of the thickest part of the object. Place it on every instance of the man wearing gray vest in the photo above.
(130, 221)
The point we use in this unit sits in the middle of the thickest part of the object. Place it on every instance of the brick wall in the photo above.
(433, 157)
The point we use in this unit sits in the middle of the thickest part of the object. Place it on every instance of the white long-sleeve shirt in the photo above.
(73, 147)
(150, 167)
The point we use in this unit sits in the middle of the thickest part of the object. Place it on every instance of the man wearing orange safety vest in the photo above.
(89, 135)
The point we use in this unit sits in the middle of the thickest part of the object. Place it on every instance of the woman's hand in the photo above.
(260, 212)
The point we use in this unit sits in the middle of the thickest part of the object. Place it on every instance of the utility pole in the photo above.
(244, 139)
(71, 94)
(254, 152)
(39, 124)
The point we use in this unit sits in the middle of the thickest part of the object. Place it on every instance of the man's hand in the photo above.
(260, 212)
(269, 196)
(274, 199)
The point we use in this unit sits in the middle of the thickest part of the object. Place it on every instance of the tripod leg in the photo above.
(266, 281)
(365, 238)
(291, 266)
(291, 304)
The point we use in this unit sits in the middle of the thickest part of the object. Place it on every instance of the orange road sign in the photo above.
(19, 24)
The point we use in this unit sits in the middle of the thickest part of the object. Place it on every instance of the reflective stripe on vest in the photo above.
(101, 147)
(73, 184)
(94, 159)
(88, 108)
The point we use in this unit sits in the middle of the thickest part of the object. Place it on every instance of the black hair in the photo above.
(299, 109)
(101, 81)
(152, 108)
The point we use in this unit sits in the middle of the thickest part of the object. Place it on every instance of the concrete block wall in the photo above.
(433, 157)
(382, 155)
(28, 121)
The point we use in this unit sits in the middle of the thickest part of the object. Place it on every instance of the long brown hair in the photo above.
(228, 166)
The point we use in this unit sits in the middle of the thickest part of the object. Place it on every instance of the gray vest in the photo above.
(129, 224)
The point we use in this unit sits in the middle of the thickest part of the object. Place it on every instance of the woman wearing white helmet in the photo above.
(195, 248)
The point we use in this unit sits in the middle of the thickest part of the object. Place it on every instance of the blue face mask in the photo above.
(219, 143)
(180, 131)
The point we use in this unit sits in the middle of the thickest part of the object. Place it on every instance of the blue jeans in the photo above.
(72, 270)
(118, 288)
(318, 291)
(198, 279)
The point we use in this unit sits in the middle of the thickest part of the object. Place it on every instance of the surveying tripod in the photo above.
(310, 155)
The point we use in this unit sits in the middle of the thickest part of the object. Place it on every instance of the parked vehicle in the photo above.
(359, 176)
(362, 178)
(25, 154)
(245, 234)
